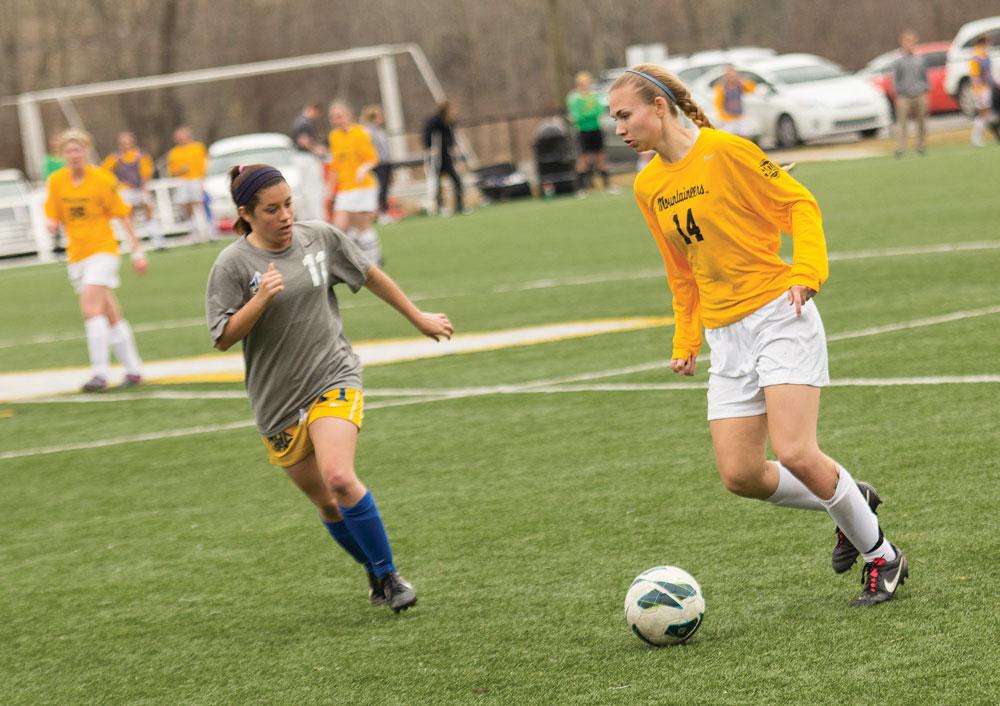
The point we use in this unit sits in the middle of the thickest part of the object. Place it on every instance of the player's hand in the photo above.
(139, 263)
(53, 225)
(798, 295)
(361, 173)
(271, 284)
(684, 366)
(436, 326)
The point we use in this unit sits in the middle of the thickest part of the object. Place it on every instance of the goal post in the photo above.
(384, 56)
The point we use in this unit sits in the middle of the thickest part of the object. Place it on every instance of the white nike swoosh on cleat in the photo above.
(891, 586)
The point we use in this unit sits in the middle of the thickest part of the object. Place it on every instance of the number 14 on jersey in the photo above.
(693, 231)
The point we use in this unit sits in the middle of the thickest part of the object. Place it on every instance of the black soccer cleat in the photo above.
(881, 578)
(397, 591)
(845, 553)
(375, 595)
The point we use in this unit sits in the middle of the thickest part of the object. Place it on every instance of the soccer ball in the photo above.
(664, 606)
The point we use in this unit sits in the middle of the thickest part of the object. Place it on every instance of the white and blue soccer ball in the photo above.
(664, 606)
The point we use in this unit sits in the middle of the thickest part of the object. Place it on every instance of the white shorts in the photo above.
(133, 197)
(189, 191)
(983, 98)
(356, 200)
(101, 269)
(771, 346)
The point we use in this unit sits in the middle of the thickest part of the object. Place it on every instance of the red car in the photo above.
(879, 72)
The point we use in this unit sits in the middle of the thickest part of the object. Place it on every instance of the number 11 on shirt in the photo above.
(314, 263)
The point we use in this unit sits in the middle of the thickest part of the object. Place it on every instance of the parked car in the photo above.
(935, 55)
(703, 62)
(16, 237)
(801, 97)
(258, 148)
(956, 81)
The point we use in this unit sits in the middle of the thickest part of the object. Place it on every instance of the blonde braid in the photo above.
(692, 110)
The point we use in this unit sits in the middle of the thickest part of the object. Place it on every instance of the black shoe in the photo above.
(845, 553)
(881, 578)
(375, 595)
(397, 591)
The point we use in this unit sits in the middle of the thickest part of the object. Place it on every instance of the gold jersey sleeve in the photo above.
(717, 217)
(349, 149)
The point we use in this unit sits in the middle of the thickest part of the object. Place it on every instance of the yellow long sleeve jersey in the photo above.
(717, 217)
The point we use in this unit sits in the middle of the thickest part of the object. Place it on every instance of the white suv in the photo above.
(956, 79)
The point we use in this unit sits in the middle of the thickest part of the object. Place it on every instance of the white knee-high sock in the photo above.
(123, 344)
(792, 492)
(97, 329)
(370, 245)
(856, 520)
(978, 126)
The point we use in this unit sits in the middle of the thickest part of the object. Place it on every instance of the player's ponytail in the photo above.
(649, 82)
(240, 175)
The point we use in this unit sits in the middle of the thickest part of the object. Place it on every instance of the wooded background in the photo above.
(496, 58)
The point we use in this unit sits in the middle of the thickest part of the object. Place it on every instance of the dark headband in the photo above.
(656, 82)
(249, 187)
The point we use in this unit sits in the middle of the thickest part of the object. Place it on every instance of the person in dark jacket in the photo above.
(439, 138)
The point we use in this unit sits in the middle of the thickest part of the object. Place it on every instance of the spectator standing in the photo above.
(373, 121)
(910, 78)
(729, 94)
(984, 89)
(133, 169)
(585, 111)
(188, 162)
(439, 138)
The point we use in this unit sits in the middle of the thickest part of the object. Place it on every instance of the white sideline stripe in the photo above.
(422, 395)
(18, 386)
(580, 280)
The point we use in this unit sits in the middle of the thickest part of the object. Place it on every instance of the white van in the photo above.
(956, 78)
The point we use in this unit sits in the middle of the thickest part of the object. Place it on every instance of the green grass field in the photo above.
(186, 570)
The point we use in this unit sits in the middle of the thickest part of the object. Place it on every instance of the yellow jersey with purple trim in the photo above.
(188, 161)
(86, 210)
(349, 149)
(132, 169)
(717, 216)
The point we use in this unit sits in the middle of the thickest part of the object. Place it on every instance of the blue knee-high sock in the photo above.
(365, 524)
(342, 536)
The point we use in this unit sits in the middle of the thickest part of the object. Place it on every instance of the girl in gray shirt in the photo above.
(273, 290)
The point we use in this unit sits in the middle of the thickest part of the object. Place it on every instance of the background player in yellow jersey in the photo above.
(716, 207)
(83, 199)
(352, 158)
(188, 161)
(133, 168)
(729, 94)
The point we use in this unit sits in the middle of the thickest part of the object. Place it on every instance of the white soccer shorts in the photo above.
(771, 346)
(356, 201)
(101, 269)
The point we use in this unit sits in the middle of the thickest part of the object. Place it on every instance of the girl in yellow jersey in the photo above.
(352, 158)
(716, 207)
(83, 199)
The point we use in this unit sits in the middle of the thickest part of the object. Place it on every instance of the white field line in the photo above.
(575, 281)
(419, 396)
(37, 383)
(484, 391)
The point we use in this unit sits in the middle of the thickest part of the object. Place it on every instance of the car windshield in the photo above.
(692, 72)
(275, 156)
(808, 72)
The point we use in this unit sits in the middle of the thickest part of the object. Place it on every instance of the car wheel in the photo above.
(966, 101)
(786, 134)
(869, 134)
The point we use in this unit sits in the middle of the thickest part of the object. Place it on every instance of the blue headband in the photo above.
(659, 84)
(251, 185)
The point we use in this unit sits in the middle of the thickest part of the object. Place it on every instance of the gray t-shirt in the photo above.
(910, 76)
(297, 349)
